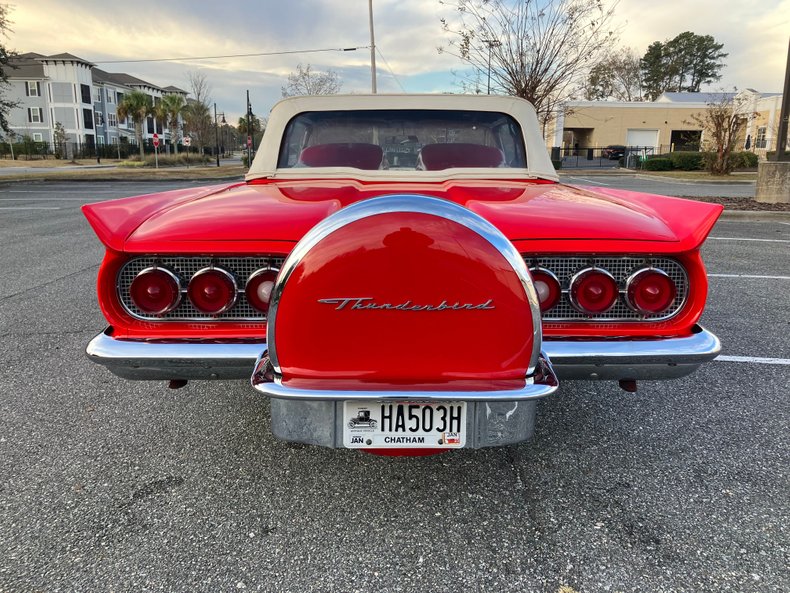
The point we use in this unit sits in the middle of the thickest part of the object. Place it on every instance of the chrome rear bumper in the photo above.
(643, 359)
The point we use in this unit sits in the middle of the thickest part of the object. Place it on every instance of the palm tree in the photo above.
(171, 111)
(137, 106)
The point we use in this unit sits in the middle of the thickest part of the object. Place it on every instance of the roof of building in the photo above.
(174, 89)
(66, 57)
(26, 65)
(129, 80)
(669, 97)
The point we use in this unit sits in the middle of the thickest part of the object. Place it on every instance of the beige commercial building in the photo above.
(664, 125)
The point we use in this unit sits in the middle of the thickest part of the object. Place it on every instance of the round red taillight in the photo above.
(259, 288)
(155, 291)
(593, 291)
(650, 291)
(547, 286)
(212, 290)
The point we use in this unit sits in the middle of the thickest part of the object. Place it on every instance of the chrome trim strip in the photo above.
(534, 388)
(405, 203)
(653, 358)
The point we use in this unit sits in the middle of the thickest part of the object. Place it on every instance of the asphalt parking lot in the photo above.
(107, 485)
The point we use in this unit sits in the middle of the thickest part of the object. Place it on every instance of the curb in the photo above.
(708, 181)
(755, 215)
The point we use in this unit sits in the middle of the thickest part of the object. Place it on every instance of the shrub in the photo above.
(657, 164)
(686, 161)
(744, 160)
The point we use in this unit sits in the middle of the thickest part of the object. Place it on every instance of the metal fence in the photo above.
(589, 157)
(32, 150)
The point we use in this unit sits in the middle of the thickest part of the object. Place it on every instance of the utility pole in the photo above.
(372, 50)
(249, 131)
(216, 134)
(491, 43)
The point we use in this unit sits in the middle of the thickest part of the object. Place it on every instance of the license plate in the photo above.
(404, 425)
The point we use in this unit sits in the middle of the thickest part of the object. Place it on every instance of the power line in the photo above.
(390, 69)
(267, 53)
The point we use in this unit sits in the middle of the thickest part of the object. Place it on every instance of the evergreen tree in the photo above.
(6, 56)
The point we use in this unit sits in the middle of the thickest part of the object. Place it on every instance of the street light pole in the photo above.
(249, 131)
(490, 43)
(216, 134)
(372, 50)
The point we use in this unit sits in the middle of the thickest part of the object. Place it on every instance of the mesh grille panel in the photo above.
(563, 268)
(621, 268)
(185, 267)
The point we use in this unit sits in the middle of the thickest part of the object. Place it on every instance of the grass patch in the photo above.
(138, 173)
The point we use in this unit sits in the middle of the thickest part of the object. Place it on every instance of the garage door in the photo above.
(642, 138)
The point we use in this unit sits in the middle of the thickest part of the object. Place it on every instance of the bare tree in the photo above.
(618, 77)
(197, 113)
(722, 123)
(540, 50)
(306, 81)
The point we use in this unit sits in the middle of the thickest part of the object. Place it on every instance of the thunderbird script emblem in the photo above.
(368, 303)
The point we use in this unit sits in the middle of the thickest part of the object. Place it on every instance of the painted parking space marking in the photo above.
(753, 359)
(29, 208)
(749, 239)
(755, 276)
(589, 181)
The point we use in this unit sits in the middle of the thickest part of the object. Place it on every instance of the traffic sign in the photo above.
(249, 140)
(186, 141)
(156, 140)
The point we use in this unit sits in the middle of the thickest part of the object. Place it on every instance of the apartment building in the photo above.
(73, 92)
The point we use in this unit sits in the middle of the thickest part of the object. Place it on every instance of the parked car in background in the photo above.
(613, 152)
(402, 275)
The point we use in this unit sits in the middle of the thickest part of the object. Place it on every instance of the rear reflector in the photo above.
(212, 290)
(155, 291)
(650, 291)
(593, 290)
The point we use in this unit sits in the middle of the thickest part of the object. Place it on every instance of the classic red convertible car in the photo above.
(412, 261)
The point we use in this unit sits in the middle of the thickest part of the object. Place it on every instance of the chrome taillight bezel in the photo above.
(634, 278)
(172, 276)
(234, 289)
(578, 277)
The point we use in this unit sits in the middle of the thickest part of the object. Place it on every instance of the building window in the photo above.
(38, 137)
(97, 95)
(99, 118)
(87, 115)
(100, 140)
(112, 120)
(110, 96)
(85, 90)
(33, 88)
(35, 115)
(759, 141)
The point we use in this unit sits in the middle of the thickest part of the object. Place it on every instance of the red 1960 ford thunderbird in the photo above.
(402, 274)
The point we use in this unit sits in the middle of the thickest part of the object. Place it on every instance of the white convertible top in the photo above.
(265, 163)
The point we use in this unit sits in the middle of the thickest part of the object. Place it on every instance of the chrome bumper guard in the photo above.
(646, 359)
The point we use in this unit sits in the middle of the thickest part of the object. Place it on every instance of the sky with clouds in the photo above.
(408, 32)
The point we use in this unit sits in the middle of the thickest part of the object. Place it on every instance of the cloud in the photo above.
(407, 35)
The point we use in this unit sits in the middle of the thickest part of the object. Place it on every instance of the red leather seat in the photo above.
(435, 157)
(342, 154)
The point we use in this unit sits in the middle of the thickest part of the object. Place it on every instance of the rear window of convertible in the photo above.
(417, 140)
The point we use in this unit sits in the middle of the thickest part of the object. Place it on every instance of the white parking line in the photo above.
(754, 359)
(748, 276)
(590, 181)
(29, 208)
(745, 239)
